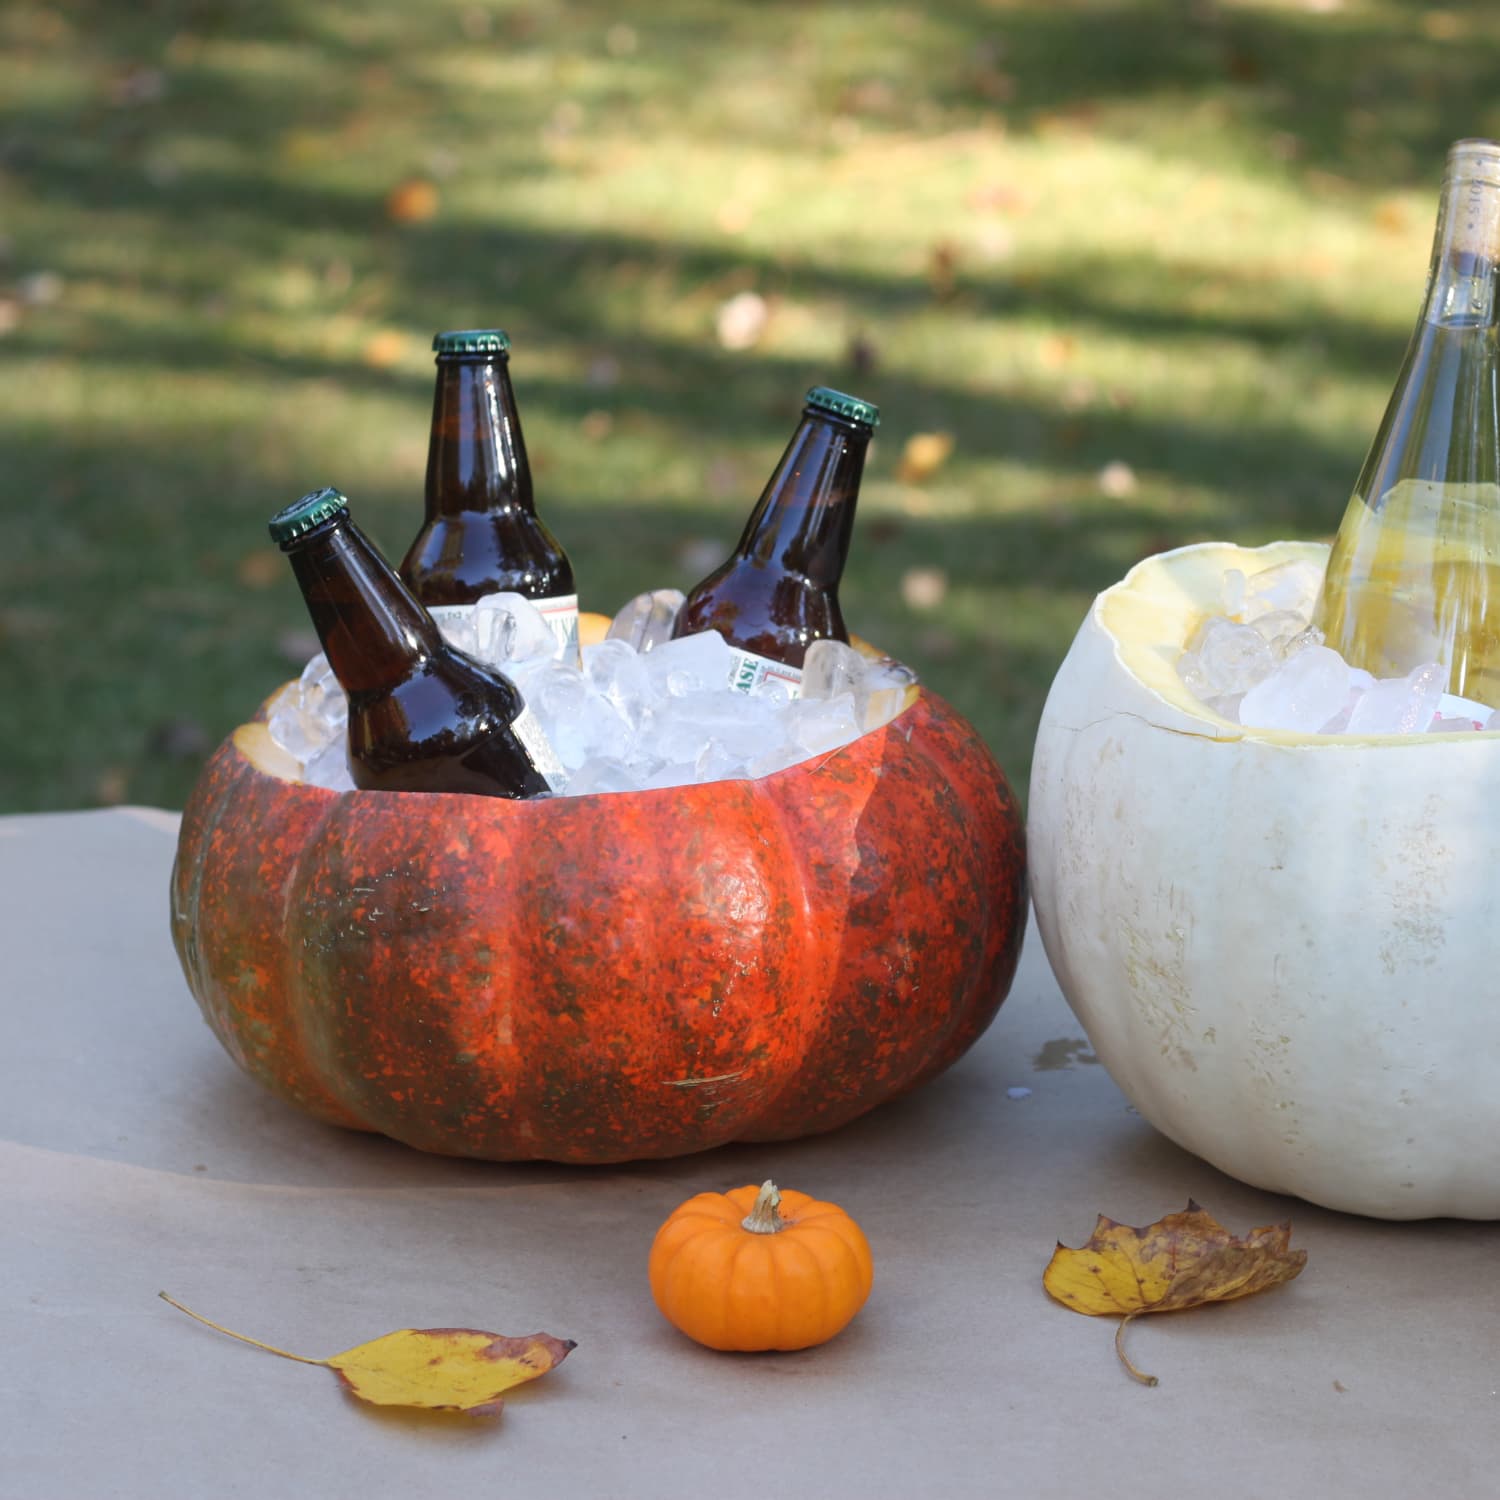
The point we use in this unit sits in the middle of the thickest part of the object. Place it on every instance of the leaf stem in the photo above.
(301, 1359)
(1134, 1373)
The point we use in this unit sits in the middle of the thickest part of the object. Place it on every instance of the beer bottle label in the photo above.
(528, 729)
(749, 673)
(560, 613)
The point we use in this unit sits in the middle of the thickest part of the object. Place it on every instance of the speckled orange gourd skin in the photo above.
(598, 979)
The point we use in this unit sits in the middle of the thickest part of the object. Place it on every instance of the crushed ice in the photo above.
(644, 710)
(1261, 663)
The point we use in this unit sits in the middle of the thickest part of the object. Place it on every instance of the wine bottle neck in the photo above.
(802, 522)
(373, 630)
(1461, 285)
(476, 459)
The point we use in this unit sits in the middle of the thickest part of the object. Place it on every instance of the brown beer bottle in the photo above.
(482, 534)
(423, 717)
(778, 592)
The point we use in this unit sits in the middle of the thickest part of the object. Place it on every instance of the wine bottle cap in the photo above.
(472, 341)
(851, 408)
(302, 515)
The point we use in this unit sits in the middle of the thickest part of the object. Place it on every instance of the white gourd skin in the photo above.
(1285, 948)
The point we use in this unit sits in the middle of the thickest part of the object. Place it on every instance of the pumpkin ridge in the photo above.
(1004, 903)
(198, 827)
(850, 1246)
(736, 995)
(669, 1249)
(806, 1321)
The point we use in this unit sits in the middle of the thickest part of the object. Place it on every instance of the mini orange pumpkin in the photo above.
(760, 1269)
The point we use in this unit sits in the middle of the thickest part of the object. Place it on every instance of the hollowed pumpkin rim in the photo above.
(1152, 612)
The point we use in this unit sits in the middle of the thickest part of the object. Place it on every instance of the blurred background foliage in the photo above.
(1149, 267)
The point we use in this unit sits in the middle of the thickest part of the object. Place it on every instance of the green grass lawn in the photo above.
(1151, 266)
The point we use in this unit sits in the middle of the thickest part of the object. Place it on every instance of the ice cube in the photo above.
(330, 767)
(820, 725)
(719, 763)
(1232, 591)
(508, 627)
(776, 757)
(1224, 658)
(616, 672)
(690, 664)
(1288, 586)
(681, 729)
(1304, 693)
(646, 621)
(579, 722)
(1280, 628)
(298, 732)
(1399, 705)
(322, 699)
(316, 682)
(887, 684)
(602, 773)
(1443, 725)
(831, 668)
(671, 773)
(1312, 636)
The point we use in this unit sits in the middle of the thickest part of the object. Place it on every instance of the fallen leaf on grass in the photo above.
(435, 1369)
(383, 349)
(261, 569)
(1181, 1261)
(741, 321)
(923, 455)
(1117, 480)
(942, 269)
(924, 588)
(413, 201)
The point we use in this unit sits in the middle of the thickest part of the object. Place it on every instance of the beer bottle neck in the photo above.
(476, 460)
(373, 630)
(803, 519)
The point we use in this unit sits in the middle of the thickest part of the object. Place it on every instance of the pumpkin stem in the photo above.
(763, 1218)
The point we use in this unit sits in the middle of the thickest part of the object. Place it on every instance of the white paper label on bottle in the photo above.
(528, 729)
(561, 613)
(749, 673)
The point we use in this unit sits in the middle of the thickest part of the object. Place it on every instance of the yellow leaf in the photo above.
(924, 454)
(446, 1369)
(434, 1369)
(1181, 1261)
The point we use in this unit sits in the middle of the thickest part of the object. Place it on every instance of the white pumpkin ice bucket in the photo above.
(1284, 947)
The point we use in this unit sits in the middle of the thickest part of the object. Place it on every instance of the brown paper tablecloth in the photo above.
(133, 1156)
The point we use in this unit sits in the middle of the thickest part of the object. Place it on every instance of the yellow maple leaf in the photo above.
(1183, 1260)
(434, 1369)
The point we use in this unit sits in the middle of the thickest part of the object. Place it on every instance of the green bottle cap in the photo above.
(302, 515)
(851, 408)
(472, 341)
